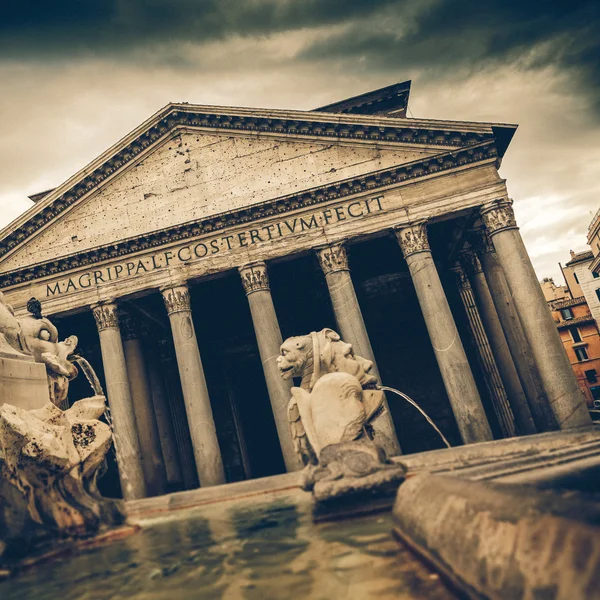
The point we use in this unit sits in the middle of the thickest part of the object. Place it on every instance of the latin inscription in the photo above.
(199, 250)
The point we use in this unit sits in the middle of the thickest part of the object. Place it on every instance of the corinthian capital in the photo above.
(480, 240)
(413, 238)
(333, 257)
(254, 277)
(470, 261)
(106, 315)
(177, 298)
(462, 281)
(498, 216)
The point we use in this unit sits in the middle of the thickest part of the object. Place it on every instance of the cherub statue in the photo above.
(340, 408)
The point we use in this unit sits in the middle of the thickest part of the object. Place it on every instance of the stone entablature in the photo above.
(57, 244)
(359, 216)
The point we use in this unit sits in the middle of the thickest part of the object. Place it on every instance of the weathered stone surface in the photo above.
(223, 171)
(351, 472)
(503, 541)
(49, 460)
(119, 275)
(14, 373)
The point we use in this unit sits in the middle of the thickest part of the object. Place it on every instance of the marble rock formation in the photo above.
(49, 461)
(35, 336)
(330, 415)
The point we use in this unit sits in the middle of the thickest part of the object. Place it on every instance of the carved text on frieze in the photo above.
(196, 251)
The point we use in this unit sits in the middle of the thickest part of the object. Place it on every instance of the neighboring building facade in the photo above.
(582, 281)
(593, 241)
(185, 253)
(553, 291)
(579, 334)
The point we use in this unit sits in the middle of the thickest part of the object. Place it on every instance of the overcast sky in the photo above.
(77, 76)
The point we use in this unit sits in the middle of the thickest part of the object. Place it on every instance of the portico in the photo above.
(222, 231)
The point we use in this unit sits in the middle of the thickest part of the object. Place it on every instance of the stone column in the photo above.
(152, 459)
(566, 400)
(334, 262)
(193, 384)
(517, 342)
(449, 352)
(485, 357)
(162, 412)
(185, 450)
(127, 445)
(504, 360)
(268, 336)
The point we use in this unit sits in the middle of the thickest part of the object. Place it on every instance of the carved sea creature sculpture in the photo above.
(312, 358)
(336, 410)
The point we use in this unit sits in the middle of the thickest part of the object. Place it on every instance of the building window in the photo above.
(591, 376)
(595, 392)
(575, 278)
(567, 313)
(598, 293)
(575, 334)
(581, 354)
(595, 275)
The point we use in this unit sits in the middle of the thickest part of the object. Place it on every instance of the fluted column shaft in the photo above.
(566, 400)
(504, 360)
(485, 357)
(333, 259)
(515, 336)
(127, 445)
(449, 352)
(255, 280)
(207, 453)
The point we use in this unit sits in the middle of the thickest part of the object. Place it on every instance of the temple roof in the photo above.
(391, 100)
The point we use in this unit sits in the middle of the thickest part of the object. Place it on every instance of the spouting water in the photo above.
(411, 401)
(89, 373)
(93, 380)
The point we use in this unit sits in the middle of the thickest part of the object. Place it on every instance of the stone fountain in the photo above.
(49, 457)
(330, 416)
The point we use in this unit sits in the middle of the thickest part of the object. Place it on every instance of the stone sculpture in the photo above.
(330, 415)
(49, 461)
(34, 335)
(49, 458)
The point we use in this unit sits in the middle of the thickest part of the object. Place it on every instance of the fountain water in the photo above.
(411, 401)
(92, 377)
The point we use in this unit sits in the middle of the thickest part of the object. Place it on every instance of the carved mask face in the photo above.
(294, 354)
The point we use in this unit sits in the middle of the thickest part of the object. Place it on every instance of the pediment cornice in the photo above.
(311, 125)
(376, 180)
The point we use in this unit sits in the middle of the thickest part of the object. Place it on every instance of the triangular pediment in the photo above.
(187, 163)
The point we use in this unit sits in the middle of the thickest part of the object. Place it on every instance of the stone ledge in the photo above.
(150, 507)
(502, 541)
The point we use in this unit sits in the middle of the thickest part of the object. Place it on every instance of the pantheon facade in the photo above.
(185, 253)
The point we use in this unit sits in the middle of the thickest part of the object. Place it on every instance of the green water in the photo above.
(256, 550)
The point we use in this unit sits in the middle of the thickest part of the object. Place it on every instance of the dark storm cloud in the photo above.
(441, 35)
(474, 34)
(42, 28)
